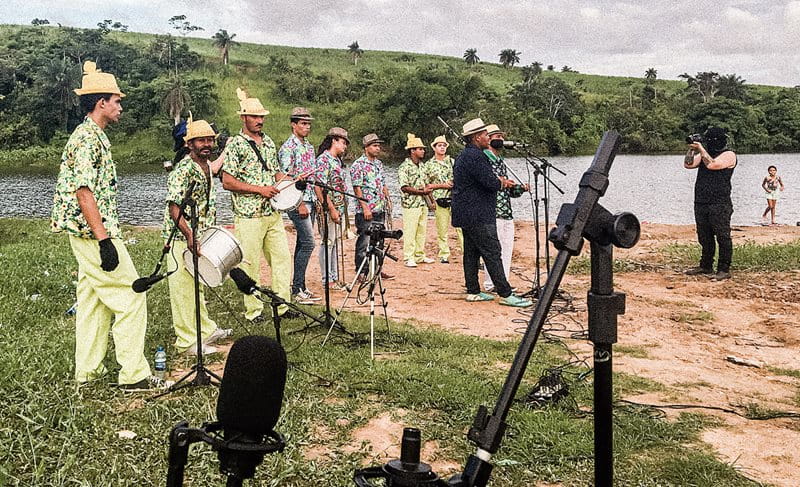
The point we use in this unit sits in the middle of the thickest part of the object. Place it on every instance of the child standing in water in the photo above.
(773, 185)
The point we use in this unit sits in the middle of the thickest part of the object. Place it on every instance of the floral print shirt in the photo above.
(410, 174)
(438, 172)
(242, 163)
(297, 157)
(86, 162)
(331, 171)
(203, 193)
(504, 196)
(368, 175)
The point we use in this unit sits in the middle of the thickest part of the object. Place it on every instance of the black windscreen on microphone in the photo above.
(245, 283)
(144, 283)
(251, 391)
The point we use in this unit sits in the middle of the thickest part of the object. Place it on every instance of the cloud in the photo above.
(757, 39)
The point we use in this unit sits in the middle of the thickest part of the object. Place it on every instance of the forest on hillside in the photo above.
(557, 112)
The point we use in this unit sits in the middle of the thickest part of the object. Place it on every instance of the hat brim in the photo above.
(81, 92)
(474, 131)
(299, 118)
(409, 147)
(433, 146)
(260, 113)
(376, 141)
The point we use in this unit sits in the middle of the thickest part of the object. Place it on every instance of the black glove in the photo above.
(109, 259)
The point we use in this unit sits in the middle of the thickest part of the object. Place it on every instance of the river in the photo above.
(655, 188)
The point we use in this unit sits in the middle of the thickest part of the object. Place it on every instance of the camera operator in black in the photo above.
(712, 199)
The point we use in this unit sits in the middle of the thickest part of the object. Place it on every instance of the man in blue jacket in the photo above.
(475, 187)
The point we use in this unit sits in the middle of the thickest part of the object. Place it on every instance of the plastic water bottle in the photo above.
(161, 363)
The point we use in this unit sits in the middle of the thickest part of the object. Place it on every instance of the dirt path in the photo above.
(677, 330)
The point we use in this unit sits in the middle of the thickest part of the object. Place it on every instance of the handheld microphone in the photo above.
(507, 144)
(251, 391)
(245, 283)
(144, 283)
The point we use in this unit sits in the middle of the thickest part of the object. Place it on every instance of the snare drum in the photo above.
(289, 197)
(220, 252)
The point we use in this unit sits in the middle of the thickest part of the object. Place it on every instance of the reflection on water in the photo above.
(655, 188)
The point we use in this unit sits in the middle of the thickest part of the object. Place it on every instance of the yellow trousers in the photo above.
(181, 300)
(442, 227)
(265, 236)
(102, 296)
(414, 220)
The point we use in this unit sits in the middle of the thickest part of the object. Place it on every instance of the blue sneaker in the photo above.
(474, 298)
(516, 301)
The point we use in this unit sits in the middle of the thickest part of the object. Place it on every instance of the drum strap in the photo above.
(258, 153)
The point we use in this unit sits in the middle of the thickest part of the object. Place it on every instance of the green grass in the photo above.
(693, 316)
(54, 433)
(748, 256)
(786, 372)
(632, 351)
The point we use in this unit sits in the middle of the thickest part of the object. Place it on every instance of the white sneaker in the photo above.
(428, 260)
(207, 349)
(411, 263)
(219, 334)
(304, 297)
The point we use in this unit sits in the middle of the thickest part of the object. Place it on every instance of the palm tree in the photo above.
(471, 56)
(355, 51)
(731, 86)
(57, 78)
(224, 41)
(509, 57)
(176, 99)
(531, 72)
(651, 74)
(706, 84)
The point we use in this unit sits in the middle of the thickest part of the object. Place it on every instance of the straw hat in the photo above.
(473, 127)
(494, 129)
(300, 113)
(414, 142)
(94, 81)
(250, 106)
(370, 139)
(440, 140)
(339, 132)
(198, 128)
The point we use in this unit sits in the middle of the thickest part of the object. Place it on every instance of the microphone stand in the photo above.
(584, 218)
(239, 456)
(541, 167)
(275, 301)
(174, 232)
(327, 315)
(202, 375)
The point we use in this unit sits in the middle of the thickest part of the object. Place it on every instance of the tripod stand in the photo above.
(374, 264)
(327, 316)
(202, 376)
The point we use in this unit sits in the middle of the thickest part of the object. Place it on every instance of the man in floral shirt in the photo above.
(296, 156)
(85, 207)
(439, 175)
(193, 168)
(369, 182)
(249, 172)
(415, 212)
(330, 171)
(504, 215)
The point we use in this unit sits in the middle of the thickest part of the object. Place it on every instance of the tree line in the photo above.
(39, 69)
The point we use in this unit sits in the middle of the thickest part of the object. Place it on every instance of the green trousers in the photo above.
(414, 220)
(442, 228)
(102, 296)
(265, 236)
(181, 300)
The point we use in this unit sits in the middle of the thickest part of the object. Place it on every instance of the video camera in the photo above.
(691, 139)
(377, 232)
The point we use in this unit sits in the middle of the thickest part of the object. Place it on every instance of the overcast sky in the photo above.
(758, 40)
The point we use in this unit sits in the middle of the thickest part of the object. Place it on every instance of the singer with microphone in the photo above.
(504, 218)
(475, 188)
(85, 207)
(193, 171)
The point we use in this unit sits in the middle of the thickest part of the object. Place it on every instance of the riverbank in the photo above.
(432, 372)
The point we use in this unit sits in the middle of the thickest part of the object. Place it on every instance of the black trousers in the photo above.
(714, 229)
(363, 238)
(480, 242)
